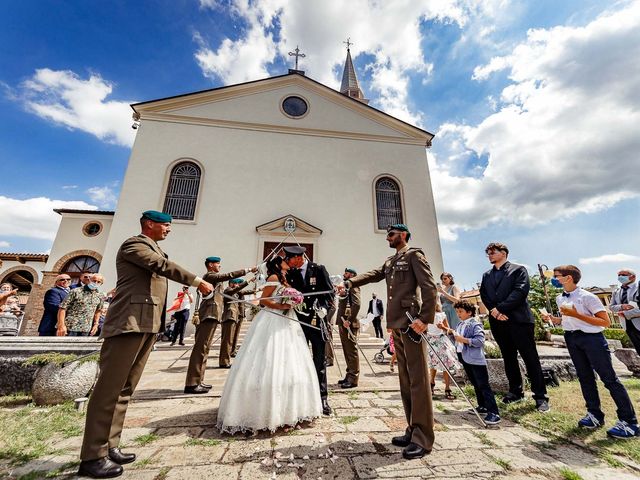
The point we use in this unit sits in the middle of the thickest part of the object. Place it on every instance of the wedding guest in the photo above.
(376, 308)
(441, 350)
(52, 300)
(348, 327)
(469, 337)
(449, 294)
(6, 295)
(79, 312)
(133, 320)
(181, 308)
(12, 302)
(628, 314)
(583, 320)
(406, 273)
(504, 291)
(392, 349)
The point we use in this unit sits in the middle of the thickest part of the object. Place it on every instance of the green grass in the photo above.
(15, 400)
(506, 464)
(145, 439)
(484, 439)
(567, 407)
(202, 442)
(162, 474)
(352, 395)
(143, 463)
(348, 419)
(568, 474)
(51, 357)
(27, 431)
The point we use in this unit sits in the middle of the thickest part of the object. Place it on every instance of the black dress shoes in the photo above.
(100, 468)
(413, 450)
(326, 409)
(121, 458)
(225, 366)
(205, 385)
(402, 440)
(348, 385)
(196, 389)
(340, 382)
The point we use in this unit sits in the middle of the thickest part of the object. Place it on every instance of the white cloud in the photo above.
(388, 31)
(104, 196)
(619, 258)
(564, 139)
(4, 244)
(64, 98)
(69, 187)
(34, 217)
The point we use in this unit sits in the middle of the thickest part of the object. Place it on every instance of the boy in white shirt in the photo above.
(583, 320)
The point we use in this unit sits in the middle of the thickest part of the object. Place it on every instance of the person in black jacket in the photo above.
(504, 291)
(377, 315)
(309, 277)
(52, 300)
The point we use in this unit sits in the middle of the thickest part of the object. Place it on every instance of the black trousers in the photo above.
(514, 338)
(377, 325)
(479, 377)
(181, 322)
(318, 351)
(590, 352)
(634, 335)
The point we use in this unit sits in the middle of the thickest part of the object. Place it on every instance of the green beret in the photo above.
(212, 260)
(399, 227)
(350, 270)
(236, 280)
(156, 216)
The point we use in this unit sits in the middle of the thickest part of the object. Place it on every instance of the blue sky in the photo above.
(535, 107)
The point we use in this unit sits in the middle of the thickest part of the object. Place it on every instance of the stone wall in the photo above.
(34, 309)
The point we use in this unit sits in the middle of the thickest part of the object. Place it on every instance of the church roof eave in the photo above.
(156, 105)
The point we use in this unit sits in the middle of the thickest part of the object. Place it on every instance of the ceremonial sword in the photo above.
(424, 337)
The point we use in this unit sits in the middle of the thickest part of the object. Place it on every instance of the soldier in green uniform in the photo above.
(242, 313)
(230, 318)
(410, 288)
(348, 326)
(210, 312)
(135, 316)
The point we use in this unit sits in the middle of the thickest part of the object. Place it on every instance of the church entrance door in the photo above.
(269, 246)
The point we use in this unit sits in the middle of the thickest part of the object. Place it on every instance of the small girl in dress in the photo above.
(392, 349)
(436, 333)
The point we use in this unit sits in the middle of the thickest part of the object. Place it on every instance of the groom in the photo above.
(309, 277)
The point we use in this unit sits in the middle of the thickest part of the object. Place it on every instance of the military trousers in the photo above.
(226, 341)
(200, 352)
(415, 389)
(236, 334)
(122, 361)
(350, 350)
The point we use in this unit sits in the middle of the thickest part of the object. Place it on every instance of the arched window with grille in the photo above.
(388, 203)
(182, 191)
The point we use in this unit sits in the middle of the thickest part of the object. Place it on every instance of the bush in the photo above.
(557, 331)
(618, 334)
(540, 332)
(51, 357)
(492, 352)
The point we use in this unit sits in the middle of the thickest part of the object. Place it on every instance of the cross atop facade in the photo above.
(348, 43)
(296, 53)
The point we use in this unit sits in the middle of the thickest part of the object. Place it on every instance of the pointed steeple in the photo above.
(349, 86)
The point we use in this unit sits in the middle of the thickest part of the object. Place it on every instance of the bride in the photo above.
(272, 382)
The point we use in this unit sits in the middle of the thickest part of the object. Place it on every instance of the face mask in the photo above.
(92, 286)
(556, 283)
(623, 279)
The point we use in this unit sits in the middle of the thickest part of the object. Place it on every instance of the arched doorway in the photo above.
(21, 278)
(76, 265)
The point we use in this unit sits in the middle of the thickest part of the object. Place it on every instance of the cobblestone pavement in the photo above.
(174, 437)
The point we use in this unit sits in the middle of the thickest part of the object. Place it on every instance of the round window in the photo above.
(92, 229)
(295, 106)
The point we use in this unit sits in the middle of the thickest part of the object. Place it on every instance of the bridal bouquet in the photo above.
(292, 297)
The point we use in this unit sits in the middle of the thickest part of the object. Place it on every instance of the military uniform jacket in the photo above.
(232, 310)
(141, 290)
(410, 287)
(213, 307)
(349, 307)
(316, 280)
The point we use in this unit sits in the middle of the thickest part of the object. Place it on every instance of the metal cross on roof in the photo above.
(348, 43)
(296, 53)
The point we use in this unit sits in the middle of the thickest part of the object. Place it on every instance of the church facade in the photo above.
(246, 167)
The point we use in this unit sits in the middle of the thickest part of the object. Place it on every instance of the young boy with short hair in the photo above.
(469, 336)
(583, 320)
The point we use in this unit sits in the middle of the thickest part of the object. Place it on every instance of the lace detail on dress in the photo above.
(233, 430)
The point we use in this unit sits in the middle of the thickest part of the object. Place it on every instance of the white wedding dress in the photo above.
(272, 382)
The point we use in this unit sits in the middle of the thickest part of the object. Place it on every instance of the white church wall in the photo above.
(71, 237)
(253, 177)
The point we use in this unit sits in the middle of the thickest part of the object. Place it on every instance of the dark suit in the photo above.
(377, 320)
(316, 280)
(52, 300)
(506, 289)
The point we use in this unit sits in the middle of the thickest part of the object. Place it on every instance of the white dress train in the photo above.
(272, 382)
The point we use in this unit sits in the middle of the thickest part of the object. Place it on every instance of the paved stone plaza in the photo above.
(175, 438)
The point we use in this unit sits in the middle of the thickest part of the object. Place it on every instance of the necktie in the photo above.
(623, 297)
(565, 294)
